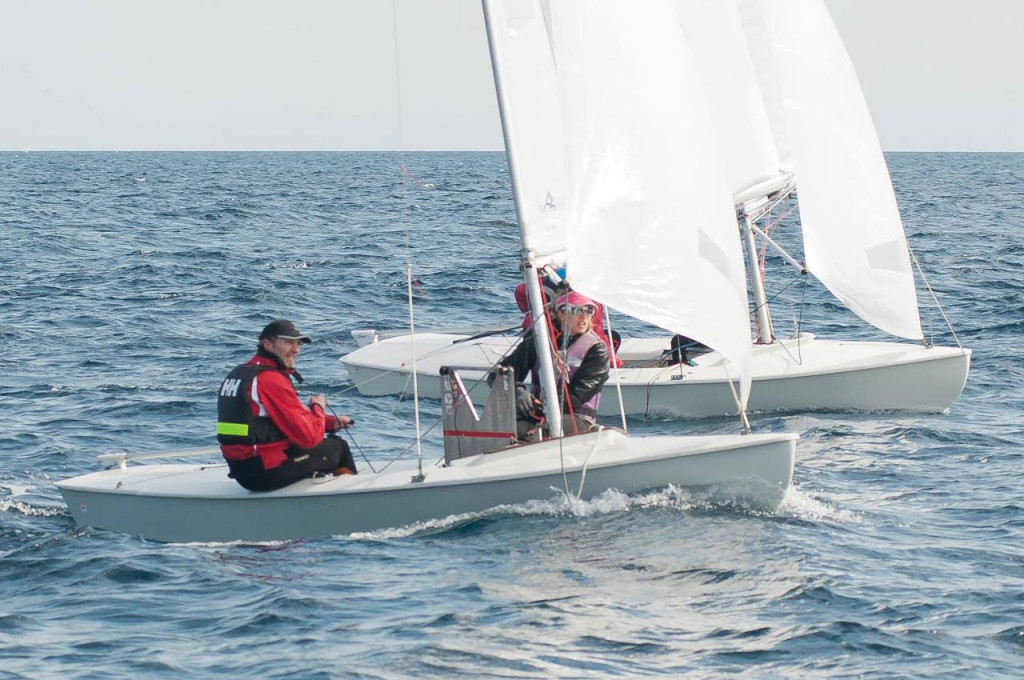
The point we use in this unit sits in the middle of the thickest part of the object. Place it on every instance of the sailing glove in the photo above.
(528, 407)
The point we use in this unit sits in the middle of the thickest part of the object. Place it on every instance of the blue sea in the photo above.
(132, 282)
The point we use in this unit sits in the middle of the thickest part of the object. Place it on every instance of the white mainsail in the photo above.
(524, 68)
(649, 223)
(854, 240)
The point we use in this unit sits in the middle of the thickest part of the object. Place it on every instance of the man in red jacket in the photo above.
(267, 436)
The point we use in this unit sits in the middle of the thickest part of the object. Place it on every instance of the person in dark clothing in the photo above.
(552, 291)
(267, 436)
(582, 369)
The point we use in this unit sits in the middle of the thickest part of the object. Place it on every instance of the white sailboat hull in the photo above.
(199, 503)
(803, 374)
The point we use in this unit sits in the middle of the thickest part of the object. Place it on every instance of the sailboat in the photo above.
(584, 189)
(790, 119)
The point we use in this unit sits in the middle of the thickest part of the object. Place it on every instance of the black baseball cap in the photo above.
(282, 328)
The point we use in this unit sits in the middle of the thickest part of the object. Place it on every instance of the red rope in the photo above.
(555, 337)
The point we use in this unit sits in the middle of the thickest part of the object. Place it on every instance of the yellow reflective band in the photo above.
(233, 429)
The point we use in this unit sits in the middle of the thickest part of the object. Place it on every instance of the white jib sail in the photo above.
(853, 235)
(653, 231)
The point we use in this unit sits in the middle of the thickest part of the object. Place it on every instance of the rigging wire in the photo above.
(615, 368)
(563, 373)
(573, 499)
(935, 297)
(771, 223)
(561, 435)
(348, 431)
(559, 366)
(415, 381)
(408, 246)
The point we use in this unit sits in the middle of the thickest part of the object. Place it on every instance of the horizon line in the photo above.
(392, 150)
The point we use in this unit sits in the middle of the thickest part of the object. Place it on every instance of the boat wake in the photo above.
(805, 506)
(8, 494)
(610, 502)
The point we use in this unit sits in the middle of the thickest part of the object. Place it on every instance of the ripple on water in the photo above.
(896, 552)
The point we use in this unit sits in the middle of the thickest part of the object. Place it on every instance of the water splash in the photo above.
(26, 508)
(561, 505)
(798, 504)
(29, 510)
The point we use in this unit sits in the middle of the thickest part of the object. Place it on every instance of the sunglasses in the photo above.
(589, 310)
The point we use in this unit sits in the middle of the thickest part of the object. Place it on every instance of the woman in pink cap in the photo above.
(582, 368)
(548, 288)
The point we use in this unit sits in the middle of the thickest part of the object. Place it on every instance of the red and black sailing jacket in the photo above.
(260, 414)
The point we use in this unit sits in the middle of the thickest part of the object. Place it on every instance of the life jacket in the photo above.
(238, 426)
(572, 357)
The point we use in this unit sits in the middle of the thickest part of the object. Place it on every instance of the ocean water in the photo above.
(131, 282)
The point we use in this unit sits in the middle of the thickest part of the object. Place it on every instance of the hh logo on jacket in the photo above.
(230, 387)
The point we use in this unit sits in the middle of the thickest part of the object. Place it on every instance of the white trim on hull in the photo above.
(198, 503)
(804, 374)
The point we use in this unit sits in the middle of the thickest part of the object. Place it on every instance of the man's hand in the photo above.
(339, 423)
(320, 401)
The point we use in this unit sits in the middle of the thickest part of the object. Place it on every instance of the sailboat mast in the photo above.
(549, 389)
(765, 332)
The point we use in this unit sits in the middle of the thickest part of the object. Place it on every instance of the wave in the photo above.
(610, 502)
(31, 510)
(798, 504)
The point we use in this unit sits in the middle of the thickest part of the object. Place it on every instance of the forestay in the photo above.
(853, 235)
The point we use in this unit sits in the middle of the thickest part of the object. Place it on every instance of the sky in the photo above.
(938, 75)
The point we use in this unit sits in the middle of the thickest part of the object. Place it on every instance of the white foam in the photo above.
(805, 506)
(29, 509)
(8, 503)
(608, 502)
